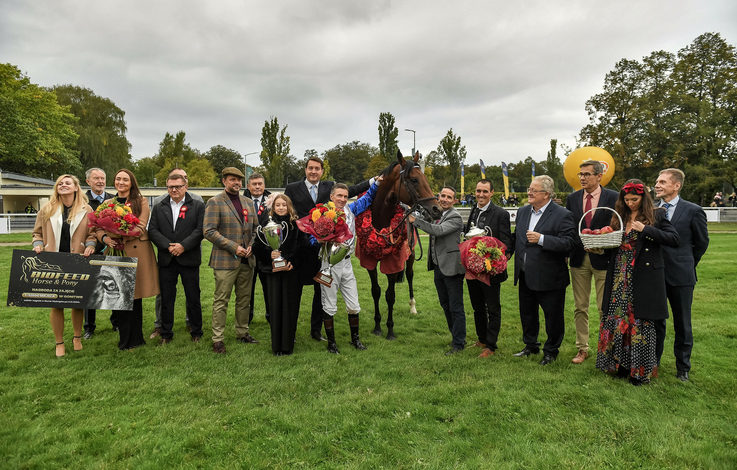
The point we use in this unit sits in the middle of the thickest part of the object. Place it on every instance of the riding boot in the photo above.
(330, 333)
(353, 322)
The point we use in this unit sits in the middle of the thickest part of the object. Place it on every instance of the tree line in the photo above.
(666, 110)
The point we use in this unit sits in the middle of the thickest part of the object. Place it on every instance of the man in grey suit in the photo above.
(544, 236)
(445, 261)
(689, 221)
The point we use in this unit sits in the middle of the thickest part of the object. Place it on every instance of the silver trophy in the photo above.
(477, 232)
(332, 253)
(273, 235)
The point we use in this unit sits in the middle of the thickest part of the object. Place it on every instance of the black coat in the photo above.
(648, 279)
(497, 219)
(689, 220)
(546, 265)
(188, 231)
(289, 248)
(601, 218)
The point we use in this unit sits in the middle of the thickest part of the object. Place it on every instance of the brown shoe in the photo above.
(196, 339)
(156, 333)
(165, 341)
(580, 357)
(218, 347)
(486, 353)
(478, 344)
(247, 339)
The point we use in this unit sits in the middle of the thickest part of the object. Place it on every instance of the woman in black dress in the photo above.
(634, 293)
(280, 285)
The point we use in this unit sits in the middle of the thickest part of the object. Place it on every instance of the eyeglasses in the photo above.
(530, 190)
(175, 188)
(584, 175)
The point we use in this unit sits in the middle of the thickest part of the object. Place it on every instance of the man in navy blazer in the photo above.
(304, 195)
(689, 221)
(176, 230)
(585, 266)
(544, 236)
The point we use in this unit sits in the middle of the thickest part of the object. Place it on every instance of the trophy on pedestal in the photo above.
(332, 253)
(474, 231)
(273, 235)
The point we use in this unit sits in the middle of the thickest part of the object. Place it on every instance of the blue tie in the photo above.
(313, 193)
(667, 206)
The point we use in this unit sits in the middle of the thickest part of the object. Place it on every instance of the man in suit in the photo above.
(445, 262)
(689, 221)
(157, 305)
(256, 190)
(585, 266)
(487, 307)
(230, 224)
(96, 180)
(176, 230)
(304, 195)
(543, 238)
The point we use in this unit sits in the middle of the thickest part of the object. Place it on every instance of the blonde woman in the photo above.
(61, 226)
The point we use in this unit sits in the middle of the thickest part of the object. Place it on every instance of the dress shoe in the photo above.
(682, 376)
(453, 350)
(333, 348)
(478, 344)
(580, 357)
(248, 339)
(155, 334)
(525, 352)
(88, 334)
(77, 342)
(196, 339)
(218, 347)
(486, 353)
(318, 337)
(547, 359)
(165, 341)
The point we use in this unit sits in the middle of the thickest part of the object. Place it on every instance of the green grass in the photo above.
(400, 404)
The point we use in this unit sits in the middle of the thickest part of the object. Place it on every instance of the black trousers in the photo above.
(90, 317)
(284, 309)
(487, 311)
(130, 326)
(552, 303)
(168, 277)
(262, 277)
(680, 299)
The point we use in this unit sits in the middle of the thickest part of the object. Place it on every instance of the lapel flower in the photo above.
(245, 213)
(183, 212)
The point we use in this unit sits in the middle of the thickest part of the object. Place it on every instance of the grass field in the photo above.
(400, 404)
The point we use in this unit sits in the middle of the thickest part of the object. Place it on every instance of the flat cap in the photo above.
(232, 171)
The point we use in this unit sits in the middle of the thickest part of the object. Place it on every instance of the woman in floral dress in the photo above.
(634, 294)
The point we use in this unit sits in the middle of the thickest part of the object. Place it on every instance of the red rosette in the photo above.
(476, 265)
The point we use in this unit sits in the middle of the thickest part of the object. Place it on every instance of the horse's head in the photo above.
(403, 182)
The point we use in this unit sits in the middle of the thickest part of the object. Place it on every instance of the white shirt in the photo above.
(535, 218)
(175, 208)
(673, 202)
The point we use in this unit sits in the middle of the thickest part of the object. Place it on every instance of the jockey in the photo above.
(342, 272)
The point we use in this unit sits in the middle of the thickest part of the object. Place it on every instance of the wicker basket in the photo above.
(606, 240)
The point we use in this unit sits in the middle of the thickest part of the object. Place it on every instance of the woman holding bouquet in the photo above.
(283, 304)
(634, 293)
(61, 226)
(147, 277)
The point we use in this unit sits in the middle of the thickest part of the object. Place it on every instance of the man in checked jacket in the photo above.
(230, 224)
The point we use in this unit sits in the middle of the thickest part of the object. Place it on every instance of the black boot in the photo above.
(330, 333)
(353, 322)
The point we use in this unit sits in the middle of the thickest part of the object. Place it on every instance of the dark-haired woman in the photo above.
(280, 285)
(130, 322)
(634, 294)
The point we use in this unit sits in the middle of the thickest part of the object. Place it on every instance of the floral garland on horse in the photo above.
(388, 245)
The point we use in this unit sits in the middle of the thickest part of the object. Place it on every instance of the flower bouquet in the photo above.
(483, 257)
(327, 224)
(117, 219)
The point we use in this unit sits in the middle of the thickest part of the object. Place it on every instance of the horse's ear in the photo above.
(417, 156)
(400, 158)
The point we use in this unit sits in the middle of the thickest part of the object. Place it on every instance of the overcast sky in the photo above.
(506, 76)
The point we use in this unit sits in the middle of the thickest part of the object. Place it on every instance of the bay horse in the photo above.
(404, 189)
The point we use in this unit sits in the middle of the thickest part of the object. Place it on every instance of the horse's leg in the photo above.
(376, 294)
(390, 296)
(410, 274)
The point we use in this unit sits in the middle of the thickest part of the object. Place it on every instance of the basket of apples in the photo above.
(605, 237)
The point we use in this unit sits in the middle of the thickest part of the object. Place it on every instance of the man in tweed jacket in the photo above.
(230, 224)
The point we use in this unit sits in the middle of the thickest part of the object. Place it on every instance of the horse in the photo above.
(403, 190)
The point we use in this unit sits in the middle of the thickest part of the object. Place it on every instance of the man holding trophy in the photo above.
(337, 270)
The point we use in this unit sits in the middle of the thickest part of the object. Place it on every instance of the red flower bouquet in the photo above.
(483, 257)
(117, 219)
(326, 224)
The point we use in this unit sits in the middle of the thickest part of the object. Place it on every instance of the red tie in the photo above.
(590, 215)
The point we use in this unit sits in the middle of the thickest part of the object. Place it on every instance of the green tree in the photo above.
(101, 128)
(388, 133)
(222, 157)
(145, 170)
(274, 152)
(201, 173)
(453, 154)
(37, 134)
(348, 162)
(174, 152)
(554, 167)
